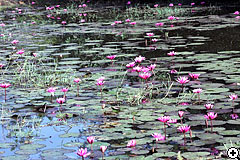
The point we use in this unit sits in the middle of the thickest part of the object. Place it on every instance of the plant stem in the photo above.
(165, 130)
(5, 95)
(211, 126)
(77, 90)
(184, 139)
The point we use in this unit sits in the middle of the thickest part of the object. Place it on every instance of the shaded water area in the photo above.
(34, 126)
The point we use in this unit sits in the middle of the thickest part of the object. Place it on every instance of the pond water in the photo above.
(52, 47)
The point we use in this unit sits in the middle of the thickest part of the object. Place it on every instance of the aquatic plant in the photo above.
(83, 153)
(5, 86)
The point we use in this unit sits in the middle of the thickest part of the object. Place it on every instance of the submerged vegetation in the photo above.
(131, 82)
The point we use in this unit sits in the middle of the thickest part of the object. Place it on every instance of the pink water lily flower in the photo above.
(150, 34)
(111, 57)
(154, 40)
(130, 65)
(210, 116)
(64, 22)
(208, 106)
(5, 85)
(183, 129)
(171, 5)
(83, 152)
(159, 24)
(164, 119)
(170, 121)
(172, 53)
(144, 69)
(156, 5)
(234, 116)
(145, 75)
(139, 59)
(192, 4)
(180, 113)
(77, 80)
(152, 67)
(129, 2)
(132, 143)
(194, 75)
(173, 71)
(199, 90)
(171, 17)
(103, 148)
(15, 42)
(127, 20)
(60, 100)
(117, 22)
(51, 90)
(236, 13)
(137, 69)
(233, 97)
(20, 51)
(158, 136)
(2, 25)
(1, 65)
(90, 139)
(100, 81)
(133, 23)
(182, 80)
(64, 89)
(33, 3)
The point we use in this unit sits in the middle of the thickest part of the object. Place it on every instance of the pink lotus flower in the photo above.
(208, 106)
(64, 22)
(132, 143)
(173, 71)
(158, 137)
(33, 3)
(150, 34)
(154, 40)
(233, 97)
(1, 65)
(90, 139)
(5, 85)
(83, 20)
(139, 59)
(194, 76)
(20, 51)
(145, 75)
(130, 65)
(164, 119)
(199, 90)
(170, 121)
(57, 6)
(100, 81)
(65, 10)
(84, 14)
(183, 129)
(111, 57)
(103, 148)
(236, 13)
(159, 24)
(117, 22)
(172, 53)
(234, 116)
(60, 100)
(156, 5)
(137, 69)
(182, 80)
(2, 25)
(210, 116)
(64, 89)
(133, 23)
(180, 114)
(192, 4)
(152, 67)
(83, 152)
(77, 80)
(144, 69)
(129, 2)
(51, 90)
(84, 5)
(171, 17)
(15, 42)
(171, 5)
(127, 20)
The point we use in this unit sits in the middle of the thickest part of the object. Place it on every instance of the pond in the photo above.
(131, 82)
